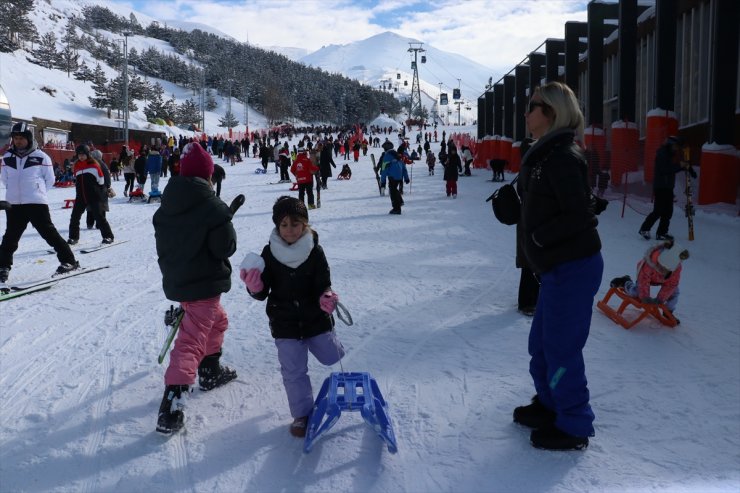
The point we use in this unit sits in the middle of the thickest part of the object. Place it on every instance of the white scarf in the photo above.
(291, 255)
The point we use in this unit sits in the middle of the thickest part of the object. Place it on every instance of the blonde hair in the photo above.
(563, 107)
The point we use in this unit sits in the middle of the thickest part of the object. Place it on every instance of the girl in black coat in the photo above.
(297, 285)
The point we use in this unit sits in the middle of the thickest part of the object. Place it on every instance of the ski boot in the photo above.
(171, 416)
(211, 374)
(4, 273)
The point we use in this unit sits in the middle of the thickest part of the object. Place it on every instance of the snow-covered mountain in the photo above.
(384, 59)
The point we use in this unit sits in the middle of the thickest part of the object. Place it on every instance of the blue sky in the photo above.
(494, 33)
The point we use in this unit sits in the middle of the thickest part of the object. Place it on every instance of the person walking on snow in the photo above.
(394, 170)
(304, 170)
(300, 301)
(27, 174)
(90, 196)
(194, 239)
(668, 162)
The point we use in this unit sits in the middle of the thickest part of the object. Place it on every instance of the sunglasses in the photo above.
(534, 104)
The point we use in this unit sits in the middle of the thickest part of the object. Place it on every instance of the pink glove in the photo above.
(252, 279)
(328, 301)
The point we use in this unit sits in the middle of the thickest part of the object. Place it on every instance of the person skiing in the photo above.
(668, 162)
(300, 301)
(90, 191)
(661, 266)
(27, 174)
(194, 239)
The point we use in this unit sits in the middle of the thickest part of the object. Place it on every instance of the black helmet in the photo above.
(82, 149)
(22, 128)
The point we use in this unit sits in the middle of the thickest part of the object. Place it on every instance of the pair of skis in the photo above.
(689, 209)
(15, 291)
(94, 248)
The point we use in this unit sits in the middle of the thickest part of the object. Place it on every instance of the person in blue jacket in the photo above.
(154, 168)
(394, 170)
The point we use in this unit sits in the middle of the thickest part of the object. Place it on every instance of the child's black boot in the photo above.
(171, 416)
(551, 438)
(211, 374)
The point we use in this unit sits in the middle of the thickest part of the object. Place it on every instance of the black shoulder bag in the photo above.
(506, 204)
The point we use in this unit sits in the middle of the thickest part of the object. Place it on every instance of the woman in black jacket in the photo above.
(560, 243)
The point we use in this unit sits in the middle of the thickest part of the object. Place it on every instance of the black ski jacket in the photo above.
(556, 223)
(195, 239)
(293, 295)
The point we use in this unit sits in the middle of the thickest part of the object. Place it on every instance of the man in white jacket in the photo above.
(27, 173)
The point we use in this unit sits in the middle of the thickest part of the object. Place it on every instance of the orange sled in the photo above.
(658, 312)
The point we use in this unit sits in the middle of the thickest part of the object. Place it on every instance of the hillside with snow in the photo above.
(380, 60)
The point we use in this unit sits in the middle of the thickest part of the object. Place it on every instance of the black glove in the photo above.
(4, 205)
(236, 203)
(406, 182)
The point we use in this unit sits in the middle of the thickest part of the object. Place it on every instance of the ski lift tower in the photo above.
(415, 106)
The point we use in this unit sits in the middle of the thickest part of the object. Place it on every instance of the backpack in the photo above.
(506, 204)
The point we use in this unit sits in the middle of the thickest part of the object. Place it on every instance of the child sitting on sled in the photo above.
(661, 266)
(346, 173)
(297, 285)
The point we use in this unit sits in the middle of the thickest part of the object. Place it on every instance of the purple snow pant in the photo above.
(293, 358)
(558, 334)
(201, 333)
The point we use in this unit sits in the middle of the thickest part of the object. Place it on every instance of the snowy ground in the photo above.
(433, 296)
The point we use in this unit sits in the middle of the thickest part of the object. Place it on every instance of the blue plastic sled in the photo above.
(350, 392)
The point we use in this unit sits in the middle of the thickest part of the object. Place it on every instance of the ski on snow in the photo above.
(8, 293)
(101, 246)
(54, 279)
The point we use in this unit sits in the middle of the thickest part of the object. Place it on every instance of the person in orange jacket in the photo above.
(304, 170)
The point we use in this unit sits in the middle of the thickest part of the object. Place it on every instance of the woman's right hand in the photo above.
(252, 279)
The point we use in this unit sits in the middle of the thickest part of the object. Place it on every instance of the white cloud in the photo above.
(494, 33)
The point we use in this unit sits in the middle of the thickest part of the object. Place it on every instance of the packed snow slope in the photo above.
(433, 297)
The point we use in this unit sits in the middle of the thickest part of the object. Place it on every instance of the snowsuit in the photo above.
(304, 169)
(89, 185)
(651, 273)
(194, 238)
(394, 170)
(284, 157)
(560, 242)
(294, 278)
(27, 174)
(452, 173)
(154, 168)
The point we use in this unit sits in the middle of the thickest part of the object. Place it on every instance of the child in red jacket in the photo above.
(304, 169)
(661, 266)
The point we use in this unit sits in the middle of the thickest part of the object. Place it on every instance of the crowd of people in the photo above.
(558, 246)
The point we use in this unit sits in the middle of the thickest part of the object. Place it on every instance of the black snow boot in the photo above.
(211, 374)
(171, 416)
(535, 415)
(551, 438)
(619, 282)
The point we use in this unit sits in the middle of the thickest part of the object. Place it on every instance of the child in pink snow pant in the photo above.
(293, 358)
(201, 333)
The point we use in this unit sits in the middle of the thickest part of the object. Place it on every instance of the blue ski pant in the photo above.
(556, 339)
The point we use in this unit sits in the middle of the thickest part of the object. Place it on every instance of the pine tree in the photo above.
(83, 72)
(100, 86)
(210, 101)
(188, 112)
(46, 53)
(228, 120)
(170, 109)
(68, 60)
(155, 106)
(16, 26)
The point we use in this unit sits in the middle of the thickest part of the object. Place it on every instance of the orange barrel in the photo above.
(594, 139)
(625, 149)
(660, 124)
(720, 174)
